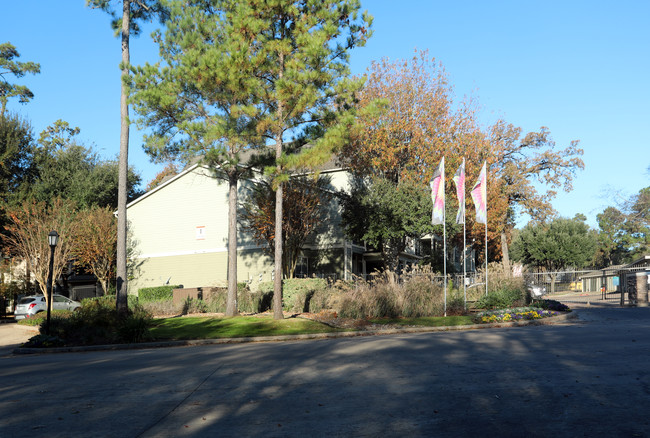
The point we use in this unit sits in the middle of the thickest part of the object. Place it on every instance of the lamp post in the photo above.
(52, 239)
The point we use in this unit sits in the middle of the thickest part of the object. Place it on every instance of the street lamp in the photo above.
(52, 239)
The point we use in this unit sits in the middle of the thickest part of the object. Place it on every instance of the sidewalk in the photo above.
(13, 335)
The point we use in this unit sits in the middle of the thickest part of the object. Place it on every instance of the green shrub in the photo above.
(44, 341)
(42, 316)
(501, 299)
(160, 308)
(551, 305)
(192, 305)
(158, 293)
(98, 322)
(253, 302)
(296, 293)
(328, 298)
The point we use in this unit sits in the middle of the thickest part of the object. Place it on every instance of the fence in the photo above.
(579, 287)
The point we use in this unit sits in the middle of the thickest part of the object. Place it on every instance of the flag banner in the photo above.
(479, 195)
(459, 179)
(438, 194)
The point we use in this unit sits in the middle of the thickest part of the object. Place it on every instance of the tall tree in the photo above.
(557, 245)
(611, 241)
(16, 155)
(271, 68)
(31, 222)
(132, 12)
(95, 246)
(301, 63)
(638, 222)
(199, 102)
(169, 171)
(625, 231)
(63, 167)
(16, 160)
(517, 164)
(18, 69)
(410, 121)
(386, 215)
(306, 201)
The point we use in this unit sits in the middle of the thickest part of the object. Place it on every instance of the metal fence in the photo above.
(578, 287)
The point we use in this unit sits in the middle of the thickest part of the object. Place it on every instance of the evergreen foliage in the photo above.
(63, 167)
(17, 69)
(235, 74)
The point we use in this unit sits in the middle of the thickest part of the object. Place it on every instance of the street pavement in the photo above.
(587, 377)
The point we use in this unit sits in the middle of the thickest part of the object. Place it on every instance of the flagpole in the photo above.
(464, 242)
(438, 215)
(444, 255)
(486, 259)
(464, 261)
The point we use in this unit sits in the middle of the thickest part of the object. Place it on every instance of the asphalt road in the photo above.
(588, 377)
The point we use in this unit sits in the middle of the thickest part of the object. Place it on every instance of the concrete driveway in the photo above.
(587, 377)
(13, 335)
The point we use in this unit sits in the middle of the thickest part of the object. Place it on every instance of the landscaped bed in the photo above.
(384, 305)
(516, 314)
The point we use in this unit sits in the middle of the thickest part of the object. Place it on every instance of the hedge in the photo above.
(296, 293)
(158, 293)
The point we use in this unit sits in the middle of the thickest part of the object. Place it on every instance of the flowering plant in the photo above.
(514, 314)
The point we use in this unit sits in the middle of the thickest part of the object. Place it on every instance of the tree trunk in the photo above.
(505, 254)
(231, 304)
(553, 277)
(277, 285)
(123, 167)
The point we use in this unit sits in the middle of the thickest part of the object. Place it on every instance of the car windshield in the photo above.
(26, 300)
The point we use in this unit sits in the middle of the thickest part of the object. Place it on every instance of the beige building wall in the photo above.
(180, 234)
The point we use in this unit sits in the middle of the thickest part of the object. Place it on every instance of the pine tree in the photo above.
(132, 12)
(239, 74)
(18, 69)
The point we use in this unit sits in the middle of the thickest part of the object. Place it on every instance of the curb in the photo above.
(313, 336)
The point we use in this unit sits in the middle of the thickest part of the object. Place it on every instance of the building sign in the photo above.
(200, 233)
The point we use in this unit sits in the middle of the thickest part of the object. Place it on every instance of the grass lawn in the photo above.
(235, 327)
(265, 325)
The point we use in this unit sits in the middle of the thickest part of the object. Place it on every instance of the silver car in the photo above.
(27, 307)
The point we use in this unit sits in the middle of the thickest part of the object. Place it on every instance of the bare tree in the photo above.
(30, 224)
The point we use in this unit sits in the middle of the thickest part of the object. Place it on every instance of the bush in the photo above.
(501, 299)
(192, 305)
(296, 293)
(42, 316)
(365, 301)
(551, 305)
(325, 299)
(158, 293)
(44, 341)
(161, 308)
(98, 322)
(418, 294)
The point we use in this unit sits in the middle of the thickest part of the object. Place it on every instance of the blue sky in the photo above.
(579, 68)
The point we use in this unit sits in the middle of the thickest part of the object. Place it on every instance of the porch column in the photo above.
(642, 289)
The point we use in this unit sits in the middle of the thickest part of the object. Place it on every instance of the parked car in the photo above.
(27, 307)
